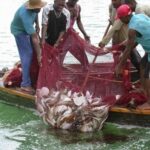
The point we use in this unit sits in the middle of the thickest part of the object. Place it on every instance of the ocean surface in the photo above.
(22, 129)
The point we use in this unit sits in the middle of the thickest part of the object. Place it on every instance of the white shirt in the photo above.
(49, 7)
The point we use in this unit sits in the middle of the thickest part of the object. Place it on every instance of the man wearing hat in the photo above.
(139, 33)
(26, 37)
(119, 33)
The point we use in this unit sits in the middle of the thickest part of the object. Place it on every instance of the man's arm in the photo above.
(80, 26)
(37, 27)
(64, 27)
(30, 30)
(59, 39)
(112, 14)
(35, 41)
(129, 47)
(43, 33)
(116, 26)
(44, 24)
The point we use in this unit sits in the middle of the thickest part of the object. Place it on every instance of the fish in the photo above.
(69, 110)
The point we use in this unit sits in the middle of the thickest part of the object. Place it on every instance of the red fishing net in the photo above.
(101, 81)
(72, 97)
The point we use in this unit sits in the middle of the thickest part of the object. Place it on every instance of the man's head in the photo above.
(116, 3)
(72, 2)
(131, 3)
(59, 5)
(124, 13)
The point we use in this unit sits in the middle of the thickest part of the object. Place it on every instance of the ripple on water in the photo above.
(10, 139)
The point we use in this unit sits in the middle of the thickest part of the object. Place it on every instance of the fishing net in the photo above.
(101, 80)
(78, 96)
(65, 103)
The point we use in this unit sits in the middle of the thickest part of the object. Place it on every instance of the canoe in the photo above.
(117, 114)
(15, 97)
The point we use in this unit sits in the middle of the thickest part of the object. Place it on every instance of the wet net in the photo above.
(101, 80)
(78, 96)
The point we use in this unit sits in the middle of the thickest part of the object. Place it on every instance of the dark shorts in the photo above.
(135, 59)
(146, 65)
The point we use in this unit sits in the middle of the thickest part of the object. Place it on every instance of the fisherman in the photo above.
(55, 22)
(119, 33)
(75, 11)
(139, 33)
(118, 25)
(22, 27)
(138, 8)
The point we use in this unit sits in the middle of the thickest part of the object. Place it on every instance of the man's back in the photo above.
(23, 21)
(141, 8)
(141, 24)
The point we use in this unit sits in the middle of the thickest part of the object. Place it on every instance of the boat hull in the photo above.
(13, 97)
(116, 115)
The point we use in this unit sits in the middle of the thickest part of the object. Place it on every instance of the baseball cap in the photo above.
(123, 11)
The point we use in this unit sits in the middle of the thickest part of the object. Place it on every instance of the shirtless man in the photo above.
(78, 53)
(75, 10)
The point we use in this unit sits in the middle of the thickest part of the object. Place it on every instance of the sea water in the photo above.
(94, 17)
(22, 129)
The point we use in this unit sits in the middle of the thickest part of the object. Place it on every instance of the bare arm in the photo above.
(44, 24)
(37, 27)
(59, 38)
(36, 45)
(116, 26)
(129, 47)
(43, 33)
(80, 26)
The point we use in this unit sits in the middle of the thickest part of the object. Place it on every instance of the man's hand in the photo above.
(39, 58)
(56, 45)
(87, 38)
(101, 45)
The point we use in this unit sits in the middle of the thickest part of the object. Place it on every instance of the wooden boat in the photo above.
(117, 114)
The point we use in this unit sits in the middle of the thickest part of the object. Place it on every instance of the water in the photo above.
(21, 129)
(94, 16)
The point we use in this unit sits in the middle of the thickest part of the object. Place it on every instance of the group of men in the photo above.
(56, 19)
(127, 28)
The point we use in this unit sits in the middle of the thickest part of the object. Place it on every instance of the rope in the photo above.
(98, 78)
